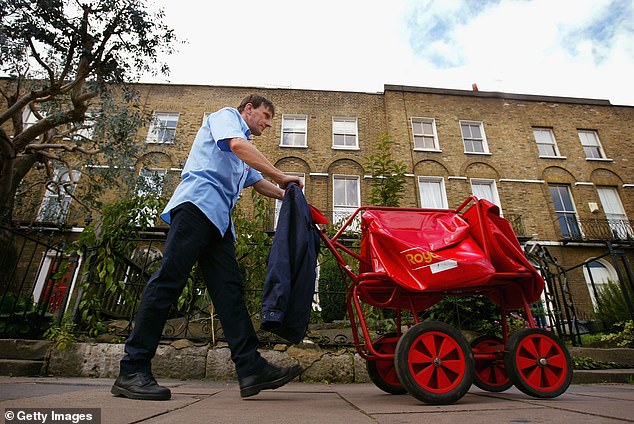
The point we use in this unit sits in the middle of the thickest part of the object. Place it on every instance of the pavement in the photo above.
(201, 401)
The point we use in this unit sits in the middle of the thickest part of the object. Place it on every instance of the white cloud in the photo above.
(579, 48)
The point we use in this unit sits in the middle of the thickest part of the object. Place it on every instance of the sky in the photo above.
(574, 48)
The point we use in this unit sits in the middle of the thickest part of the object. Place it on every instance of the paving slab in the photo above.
(204, 401)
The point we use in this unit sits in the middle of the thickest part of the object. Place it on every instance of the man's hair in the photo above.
(256, 101)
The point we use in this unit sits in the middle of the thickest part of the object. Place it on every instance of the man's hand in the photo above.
(290, 179)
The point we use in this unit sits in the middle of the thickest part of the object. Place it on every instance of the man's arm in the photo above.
(250, 154)
(266, 188)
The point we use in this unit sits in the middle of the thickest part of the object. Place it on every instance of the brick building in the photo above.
(561, 169)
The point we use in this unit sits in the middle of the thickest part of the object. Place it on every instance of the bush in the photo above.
(624, 337)
(611, 305)
(473, 313)
(332, 290)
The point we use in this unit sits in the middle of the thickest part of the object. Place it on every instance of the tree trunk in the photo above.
(10, 181)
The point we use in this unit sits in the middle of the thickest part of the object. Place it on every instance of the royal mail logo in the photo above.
(418, 258)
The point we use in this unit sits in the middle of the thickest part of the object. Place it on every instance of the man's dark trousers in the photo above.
(192, 237)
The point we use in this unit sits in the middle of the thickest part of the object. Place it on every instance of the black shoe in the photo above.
(269, 377)
(139, 385)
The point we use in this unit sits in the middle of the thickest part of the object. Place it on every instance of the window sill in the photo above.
(428, 150)
(553, 157)
(479, 153)
(293, 147)
(159, 142)
(345, 148)
(599, 160)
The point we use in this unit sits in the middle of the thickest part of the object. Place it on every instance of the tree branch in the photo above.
(36, 55)
(6, 168)
(31, 148)
(23, 101)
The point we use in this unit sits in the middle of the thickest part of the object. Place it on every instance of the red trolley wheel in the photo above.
(490, 374)
(538, 363)
(434, 363)
(382, 372)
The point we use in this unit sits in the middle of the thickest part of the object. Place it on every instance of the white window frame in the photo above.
(483, 139)
(551, 143)
(161, 128)
(51, 200)
(294, 130)
(278, 202)
(614, 212)
(44, 274)
(29, 119)
(593, 146)
(433, 135)
(341, 130)
(565, 213)
(494, 198)
(422, 180)
(341, 212)
(608, 275)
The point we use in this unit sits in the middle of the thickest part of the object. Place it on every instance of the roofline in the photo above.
(411, 89)
(254, 87)
(496, 95)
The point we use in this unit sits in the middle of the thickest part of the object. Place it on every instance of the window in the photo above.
(84, 130)
(597, 274)
(614, 212)
(591, 146)
(486, 189)
(58, 196)
(51, 286)
(346, 198)
(432, 192)
(294, 130)
(149, 184)
(424, 130)
(344, 133)
(565, 210)
(163, 127)
(545, 140)
(28, 118)
(278, 203)
(473, 137)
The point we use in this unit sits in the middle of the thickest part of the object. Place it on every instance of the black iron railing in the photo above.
(572, 228)
(37, 276)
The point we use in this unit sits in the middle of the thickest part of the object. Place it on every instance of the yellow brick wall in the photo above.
(521, 176)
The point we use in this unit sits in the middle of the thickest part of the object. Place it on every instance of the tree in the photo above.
(68, 66)
(388, 175)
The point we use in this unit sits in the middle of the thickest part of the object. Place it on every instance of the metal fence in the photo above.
(37, 278)
(572, 228)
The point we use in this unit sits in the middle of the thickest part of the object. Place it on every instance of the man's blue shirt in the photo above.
(213, 175)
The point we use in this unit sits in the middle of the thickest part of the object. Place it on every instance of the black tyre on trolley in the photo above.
(490, 373)
(382, 372)
(538, 363)
(434, 363)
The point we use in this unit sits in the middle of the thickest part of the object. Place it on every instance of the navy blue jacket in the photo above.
(290, 276)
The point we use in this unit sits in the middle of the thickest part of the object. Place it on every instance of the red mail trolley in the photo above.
(409, 259)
